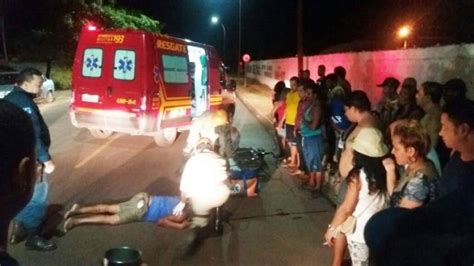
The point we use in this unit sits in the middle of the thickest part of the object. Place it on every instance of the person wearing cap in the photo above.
(357, 110)
(390, 102)
(365, 195)
(408, 107)
(203, 185)
(213, 125)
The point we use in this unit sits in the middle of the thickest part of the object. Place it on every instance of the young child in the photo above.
(141, 207)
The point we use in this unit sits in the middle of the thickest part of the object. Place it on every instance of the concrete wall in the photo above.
(366, 69)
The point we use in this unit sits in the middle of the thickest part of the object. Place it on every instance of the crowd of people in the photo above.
(402, 169)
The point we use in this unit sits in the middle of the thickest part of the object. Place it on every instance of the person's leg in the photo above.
(96, 209)
(340, 244)
(32, 216)
(359, 253)
(317, 164)
(92, 219)
(292, 143)
(309, 156)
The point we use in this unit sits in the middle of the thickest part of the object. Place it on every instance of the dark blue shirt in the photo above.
(457, 175)
(24, 100)
(338, 116)
(160, 207)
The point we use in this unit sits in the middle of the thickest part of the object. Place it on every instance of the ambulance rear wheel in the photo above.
(165, 137)
(100, 133)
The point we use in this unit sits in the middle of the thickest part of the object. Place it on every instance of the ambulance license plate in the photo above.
(90, 98)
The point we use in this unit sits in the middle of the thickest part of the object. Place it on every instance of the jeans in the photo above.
(34, 212)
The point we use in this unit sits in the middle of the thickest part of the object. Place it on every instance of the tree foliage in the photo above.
(53, 30)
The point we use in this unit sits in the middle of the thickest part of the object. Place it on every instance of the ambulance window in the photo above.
(175, 69)
(124, 65)
(92, 63)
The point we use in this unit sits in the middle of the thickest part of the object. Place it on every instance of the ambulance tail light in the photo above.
(143, 104)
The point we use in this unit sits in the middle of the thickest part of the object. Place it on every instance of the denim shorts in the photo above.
(312, 150)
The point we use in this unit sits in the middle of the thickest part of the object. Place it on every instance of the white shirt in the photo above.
(203, 174)
(367, 206)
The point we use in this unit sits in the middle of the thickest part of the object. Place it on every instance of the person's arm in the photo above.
(415, 193)
(345, 210)
(276, 106)
(390, 168)
(345, 162)
(176, 222)
(316, 117)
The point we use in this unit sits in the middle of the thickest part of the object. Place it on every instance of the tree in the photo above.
(52, 31)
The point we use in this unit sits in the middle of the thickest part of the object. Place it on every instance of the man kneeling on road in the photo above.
(141, 207)
(203, 184)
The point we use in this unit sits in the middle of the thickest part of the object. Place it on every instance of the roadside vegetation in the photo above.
(49, 37)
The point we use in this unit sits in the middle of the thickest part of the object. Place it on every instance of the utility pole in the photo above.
(299, 30)
(4, 42)
(240, 39)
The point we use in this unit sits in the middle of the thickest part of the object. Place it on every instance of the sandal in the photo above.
(71, 211)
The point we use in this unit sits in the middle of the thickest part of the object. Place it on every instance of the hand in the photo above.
(49, 167)
(389, 165)
(329, 236)
(178, 209)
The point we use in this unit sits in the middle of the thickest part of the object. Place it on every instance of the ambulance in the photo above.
(142, 83)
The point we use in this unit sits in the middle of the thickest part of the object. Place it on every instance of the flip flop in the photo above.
(74, 207)
(67, 226)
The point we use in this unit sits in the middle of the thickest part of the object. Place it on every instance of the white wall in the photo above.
(366, 69)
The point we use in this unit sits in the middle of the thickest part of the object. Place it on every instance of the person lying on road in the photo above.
(141, 207)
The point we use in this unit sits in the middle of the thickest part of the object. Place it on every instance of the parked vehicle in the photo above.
(7, 79)
(143, 83)
(8, 76)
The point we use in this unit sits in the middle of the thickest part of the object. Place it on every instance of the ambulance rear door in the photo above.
(126, 88)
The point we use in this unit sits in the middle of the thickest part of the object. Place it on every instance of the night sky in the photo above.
(269, 26)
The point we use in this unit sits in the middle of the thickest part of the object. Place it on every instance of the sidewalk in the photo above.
(258, 99)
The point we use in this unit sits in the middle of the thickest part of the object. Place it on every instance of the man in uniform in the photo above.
(27, 223)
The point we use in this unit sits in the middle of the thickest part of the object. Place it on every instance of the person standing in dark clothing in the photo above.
(408, 107)
(27, 223)
(17, 169)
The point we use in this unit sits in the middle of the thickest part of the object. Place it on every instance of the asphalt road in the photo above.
(284, 225)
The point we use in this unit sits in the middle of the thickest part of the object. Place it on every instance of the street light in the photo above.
(403, 33)
(215, 20)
